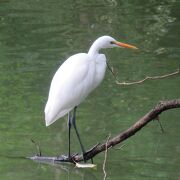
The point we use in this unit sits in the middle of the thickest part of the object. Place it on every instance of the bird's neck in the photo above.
(94, 49)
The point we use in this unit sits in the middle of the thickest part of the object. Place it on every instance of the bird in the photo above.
(74, 80)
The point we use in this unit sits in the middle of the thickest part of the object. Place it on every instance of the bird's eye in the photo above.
(111, 42)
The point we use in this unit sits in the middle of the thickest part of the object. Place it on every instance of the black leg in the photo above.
(74, 124)
(69, 135)
(92, 160)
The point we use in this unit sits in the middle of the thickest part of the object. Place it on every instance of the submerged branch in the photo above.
(151, 115)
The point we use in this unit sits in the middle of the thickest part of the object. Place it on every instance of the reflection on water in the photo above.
(37, 36)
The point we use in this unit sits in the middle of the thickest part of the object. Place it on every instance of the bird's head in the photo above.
(109, 42)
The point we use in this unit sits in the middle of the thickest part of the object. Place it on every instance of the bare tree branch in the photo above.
(148, 78)
(151, 115)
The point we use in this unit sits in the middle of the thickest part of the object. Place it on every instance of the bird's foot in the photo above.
(67, 158)
(84, 157)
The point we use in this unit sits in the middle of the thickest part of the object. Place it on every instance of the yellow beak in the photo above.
(124, 45)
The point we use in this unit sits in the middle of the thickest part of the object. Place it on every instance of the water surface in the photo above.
(37, 36)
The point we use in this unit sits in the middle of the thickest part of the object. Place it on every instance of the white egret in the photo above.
(75, 79)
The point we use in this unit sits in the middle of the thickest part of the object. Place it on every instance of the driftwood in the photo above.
(151, 115)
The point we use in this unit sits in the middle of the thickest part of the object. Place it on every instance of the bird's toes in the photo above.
(67, 158)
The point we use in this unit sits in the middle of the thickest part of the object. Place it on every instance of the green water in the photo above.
(36, 36)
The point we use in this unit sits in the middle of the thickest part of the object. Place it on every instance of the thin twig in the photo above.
(111, 70)
(148, 78)
(120, 148)
(162, 129)
(105, 158)
(37, 147)
(160, 125)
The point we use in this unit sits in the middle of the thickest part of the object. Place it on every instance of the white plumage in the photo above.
(72, 83)
(78, 76)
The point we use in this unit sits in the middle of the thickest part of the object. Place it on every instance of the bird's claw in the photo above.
(67, 158)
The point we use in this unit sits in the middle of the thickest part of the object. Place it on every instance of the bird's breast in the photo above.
(100, 69)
